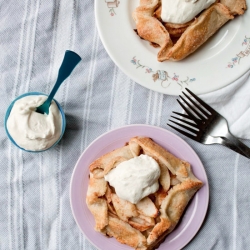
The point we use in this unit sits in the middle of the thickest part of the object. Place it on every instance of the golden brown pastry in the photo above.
(177, 41)
(150, 28)
(236, 7)
(199, 31)
(143, 225)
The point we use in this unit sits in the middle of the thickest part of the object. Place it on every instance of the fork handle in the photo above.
(230, 145)
(238, 144)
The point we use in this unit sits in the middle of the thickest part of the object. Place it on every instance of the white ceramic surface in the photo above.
(217, 63)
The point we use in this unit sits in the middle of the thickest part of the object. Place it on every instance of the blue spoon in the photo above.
(70, 60)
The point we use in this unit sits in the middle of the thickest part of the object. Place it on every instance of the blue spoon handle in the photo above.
(70, 60)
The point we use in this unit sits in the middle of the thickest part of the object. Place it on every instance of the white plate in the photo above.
(220, 61)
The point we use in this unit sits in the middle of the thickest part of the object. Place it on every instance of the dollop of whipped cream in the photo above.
(134, 179)
(182, 11)
(31, 130)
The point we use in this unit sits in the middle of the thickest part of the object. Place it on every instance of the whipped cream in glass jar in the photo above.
(30, 130)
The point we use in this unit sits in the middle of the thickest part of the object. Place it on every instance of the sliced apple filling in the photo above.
(143, 225)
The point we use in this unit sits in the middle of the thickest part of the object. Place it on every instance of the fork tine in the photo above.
(210, 109)
(202, 110)
(184, 121)
(185, 127)
(192, 108)
(190, 114)
(183, 115)
(183, 132)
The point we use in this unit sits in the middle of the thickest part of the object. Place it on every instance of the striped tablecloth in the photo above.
(35, 208)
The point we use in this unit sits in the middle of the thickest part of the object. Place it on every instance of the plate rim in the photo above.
(205, 207)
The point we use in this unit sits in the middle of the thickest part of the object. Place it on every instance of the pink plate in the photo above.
(195, 213)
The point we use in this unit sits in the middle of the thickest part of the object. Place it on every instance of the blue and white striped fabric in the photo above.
(34, 202)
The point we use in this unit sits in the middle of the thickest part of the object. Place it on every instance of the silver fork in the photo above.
(203, 124)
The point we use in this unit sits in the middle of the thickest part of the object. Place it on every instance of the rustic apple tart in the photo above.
(142, 222)
(171, 29)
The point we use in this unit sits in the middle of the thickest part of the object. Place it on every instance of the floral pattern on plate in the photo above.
(243, 53)
(163, 76)
(112, 4)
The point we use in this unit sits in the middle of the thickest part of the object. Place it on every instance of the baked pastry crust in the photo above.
(199, 31)
(144, 225)
(236, 7)
(150, 28)
(178, 41)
